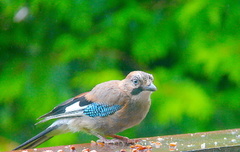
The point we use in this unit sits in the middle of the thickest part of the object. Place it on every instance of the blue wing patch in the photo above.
(100, 110)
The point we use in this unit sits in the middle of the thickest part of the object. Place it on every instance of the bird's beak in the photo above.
(150, 87)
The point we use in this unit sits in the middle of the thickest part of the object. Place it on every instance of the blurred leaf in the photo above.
(180, 97)
(89, 79)
(11, 82)
(71, 48)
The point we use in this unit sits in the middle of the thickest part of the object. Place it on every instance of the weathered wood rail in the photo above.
(214, 141)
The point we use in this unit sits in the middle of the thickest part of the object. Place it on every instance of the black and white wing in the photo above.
(79, 106)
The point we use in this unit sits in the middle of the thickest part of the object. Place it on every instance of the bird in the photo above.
(109, 108)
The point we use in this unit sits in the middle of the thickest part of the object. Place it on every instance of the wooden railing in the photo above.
(214, 141)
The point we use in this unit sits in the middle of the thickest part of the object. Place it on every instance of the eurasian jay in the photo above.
(110, 107)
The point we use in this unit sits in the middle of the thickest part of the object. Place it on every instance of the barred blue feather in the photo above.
(100, 110)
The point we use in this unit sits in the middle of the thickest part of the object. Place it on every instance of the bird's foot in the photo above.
(125, 139)
(118, 140)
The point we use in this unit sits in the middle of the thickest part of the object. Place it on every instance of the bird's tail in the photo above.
(38, 139)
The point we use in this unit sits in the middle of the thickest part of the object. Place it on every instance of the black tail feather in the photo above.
(37, 140)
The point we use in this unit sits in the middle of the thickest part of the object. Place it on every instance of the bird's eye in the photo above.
(135, 81)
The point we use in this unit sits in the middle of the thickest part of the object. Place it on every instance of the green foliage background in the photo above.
(62, 48)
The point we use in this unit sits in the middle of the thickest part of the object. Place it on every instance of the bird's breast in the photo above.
(130, 115)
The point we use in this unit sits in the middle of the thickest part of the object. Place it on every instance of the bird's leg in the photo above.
(102, 139)
(117, 139)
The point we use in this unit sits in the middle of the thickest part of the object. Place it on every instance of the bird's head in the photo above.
(138, 81)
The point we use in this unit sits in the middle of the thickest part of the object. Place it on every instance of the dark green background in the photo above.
(64, 47)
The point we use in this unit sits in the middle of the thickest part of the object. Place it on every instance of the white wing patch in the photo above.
(74, 107)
